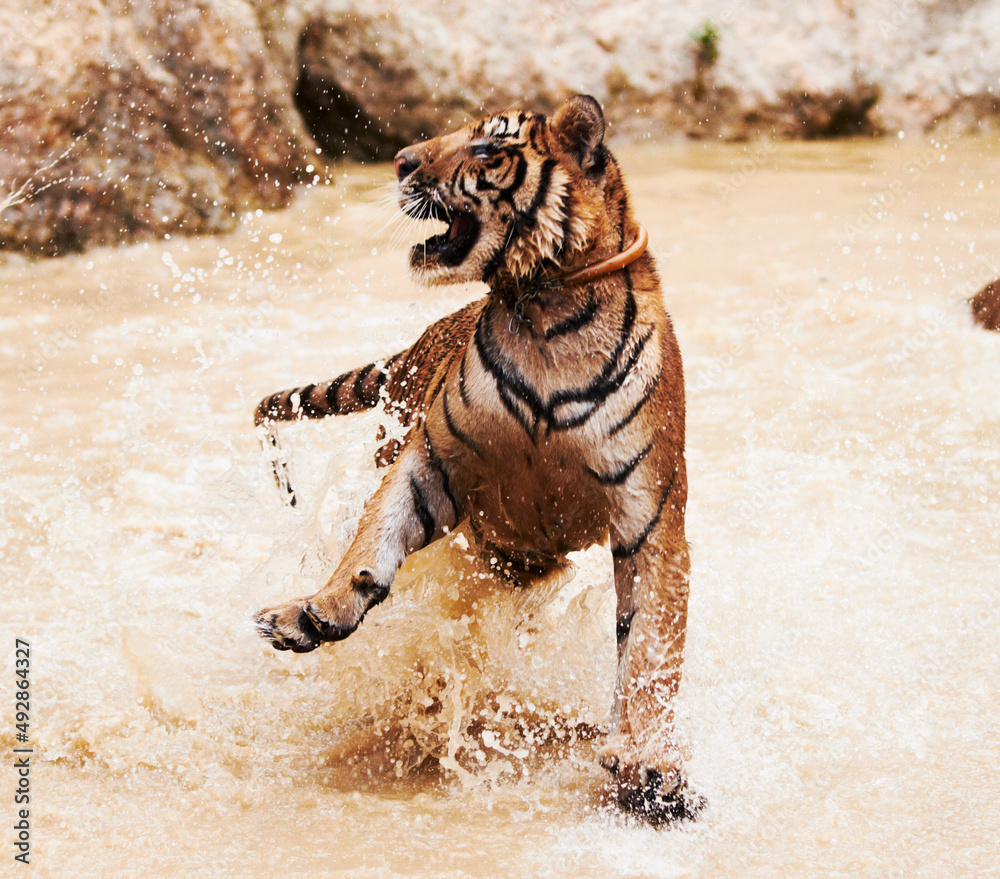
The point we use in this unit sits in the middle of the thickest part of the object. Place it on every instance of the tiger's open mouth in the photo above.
(452, 246)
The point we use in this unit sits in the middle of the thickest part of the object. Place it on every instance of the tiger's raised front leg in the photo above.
(652, 567)
(414, 506)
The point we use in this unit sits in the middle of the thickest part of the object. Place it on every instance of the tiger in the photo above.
(986, 306)
(547, 415)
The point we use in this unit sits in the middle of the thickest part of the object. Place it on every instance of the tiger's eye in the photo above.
(482, 150)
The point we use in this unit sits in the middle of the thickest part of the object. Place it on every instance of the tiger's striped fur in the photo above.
(402, 383)
(550, 414)
(986, 306)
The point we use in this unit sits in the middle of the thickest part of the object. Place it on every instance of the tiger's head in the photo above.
(519, 192)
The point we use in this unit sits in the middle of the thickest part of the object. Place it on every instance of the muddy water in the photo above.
(842, 685)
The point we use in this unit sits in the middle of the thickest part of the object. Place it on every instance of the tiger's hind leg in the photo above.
(651, 565)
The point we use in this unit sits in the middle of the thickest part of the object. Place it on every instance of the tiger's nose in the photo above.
(405, 163)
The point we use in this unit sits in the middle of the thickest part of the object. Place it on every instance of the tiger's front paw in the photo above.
(298, 626)
(302, 625)
(656, 793)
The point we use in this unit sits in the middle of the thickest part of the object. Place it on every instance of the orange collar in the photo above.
(588, 273)
(612, 264)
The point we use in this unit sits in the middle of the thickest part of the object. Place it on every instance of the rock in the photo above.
(986, 306)
(777, 68)
(131, 118)
(125, 120)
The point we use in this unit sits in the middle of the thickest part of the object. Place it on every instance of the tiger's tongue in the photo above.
(459, 225)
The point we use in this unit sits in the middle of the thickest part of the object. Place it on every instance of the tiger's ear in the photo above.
(579, 128)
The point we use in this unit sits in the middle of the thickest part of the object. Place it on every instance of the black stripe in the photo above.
(358, 387)
(619, 379)
(462, 390)
(598, 391)
(513, 389)
(635, 409)
(622, 472)
(333, 391)
(482, 184)
(574, 323)
(533, 131)
(392, 361)
(496, 259)
(520, 172)
(437, 464)
(437, 390)
(420, 508)
(528, 219)
(628, 322)
(504, 373)
(624, 626)
(308, 408)
(270, 407)
(566, 229)
(456, 431)
(463, 188)
(593, 391)
(381, 377)
(510, 404)
(626, 551)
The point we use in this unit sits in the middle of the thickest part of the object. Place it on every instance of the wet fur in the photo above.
(549, 416)
(986, 306)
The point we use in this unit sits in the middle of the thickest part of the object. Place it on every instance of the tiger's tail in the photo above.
(351, 392)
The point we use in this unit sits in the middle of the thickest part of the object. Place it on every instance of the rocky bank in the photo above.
(123, 119)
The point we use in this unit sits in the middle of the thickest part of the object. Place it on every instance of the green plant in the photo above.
(705, 45)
